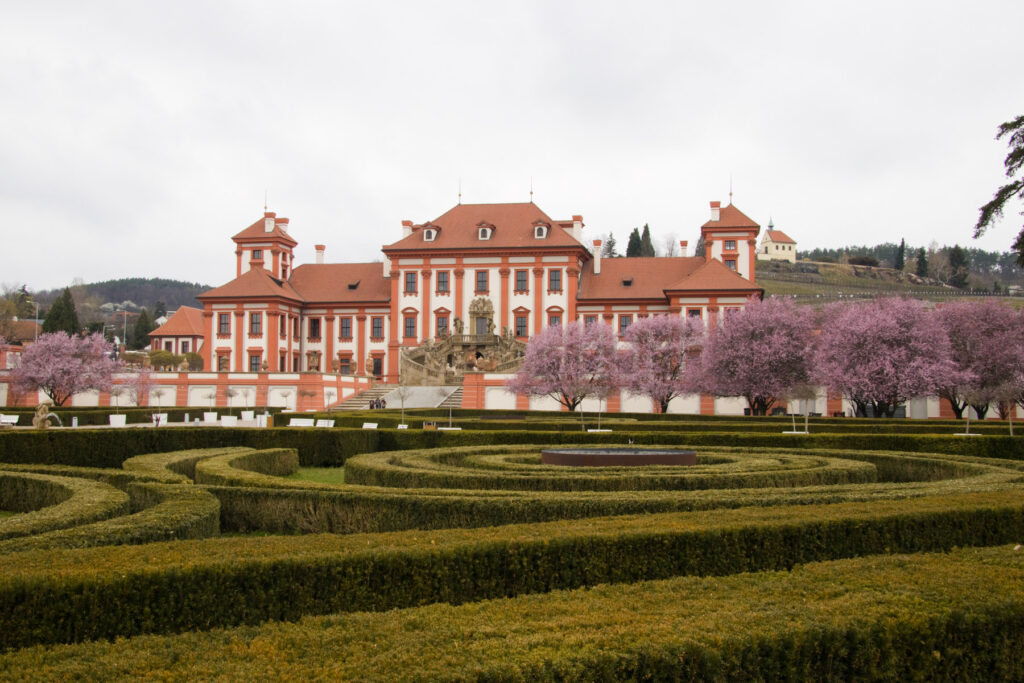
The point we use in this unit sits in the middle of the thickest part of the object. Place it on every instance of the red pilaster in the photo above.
(503, 322)
(391, 371)
(211, 335)
(240, 334)
(325, 365)
(457, 313)
(572, 274)
(538, 300)
(425, 313)
(361, 344)
(707, 404)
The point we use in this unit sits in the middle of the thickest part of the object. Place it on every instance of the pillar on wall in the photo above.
(473, 391)
(707, 404)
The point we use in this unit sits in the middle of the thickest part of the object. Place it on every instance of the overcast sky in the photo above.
(137, 137)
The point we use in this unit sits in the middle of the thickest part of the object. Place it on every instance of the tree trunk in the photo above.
(981, 410)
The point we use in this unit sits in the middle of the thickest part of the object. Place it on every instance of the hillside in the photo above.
(133, 293)
(809, 279)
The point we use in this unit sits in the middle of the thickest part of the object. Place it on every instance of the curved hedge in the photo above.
(519, 468)
(106, 592)
(175, 466)
(168, 512)
(52, 502)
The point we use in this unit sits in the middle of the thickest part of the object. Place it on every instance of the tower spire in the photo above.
(531, 189)
(730, 188)
(460, 191)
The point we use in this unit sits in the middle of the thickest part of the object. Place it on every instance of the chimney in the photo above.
(406, 228)
(283, 224)
(682, 247)
(268, 221)
(597, 257)
(387, 267)
(577, 228)
(320, 253)
(716, 211)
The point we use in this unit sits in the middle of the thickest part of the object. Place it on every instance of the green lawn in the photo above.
(322, 475)
(6, 513)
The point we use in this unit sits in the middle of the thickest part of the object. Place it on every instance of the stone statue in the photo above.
(457, 323)
(41, 419)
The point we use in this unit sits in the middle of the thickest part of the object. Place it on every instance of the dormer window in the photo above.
(484, 233)
(429, 235)
(540, 232)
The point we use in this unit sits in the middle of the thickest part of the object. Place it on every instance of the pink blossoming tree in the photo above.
(61, 366)
(655, 362)
(568, 363)
(987, 345)
(881, 353)
(761, 353)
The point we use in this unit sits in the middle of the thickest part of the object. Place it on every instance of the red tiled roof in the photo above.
(779, 236)
(16, 331)
(256, 231)
(713, 275)
(333, 282)
(652, 276)
(513, 228)
(731, 217)
(256, 282)
(186, 322)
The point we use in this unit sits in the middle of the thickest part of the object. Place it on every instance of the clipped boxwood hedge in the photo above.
(121, 591)
(51, 502)
(955, 616)
(175, 466)
(166, 512)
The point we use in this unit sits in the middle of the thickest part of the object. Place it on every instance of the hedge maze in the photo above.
(860, 551)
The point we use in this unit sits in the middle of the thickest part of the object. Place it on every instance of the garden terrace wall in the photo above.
(123, 591)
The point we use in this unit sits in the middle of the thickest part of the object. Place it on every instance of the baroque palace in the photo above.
(462, 292)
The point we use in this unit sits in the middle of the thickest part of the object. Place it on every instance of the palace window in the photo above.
(442, 282)
(377, 327)
(410, 282)
(521, 325)
(554, 321)
(295, 327)
(589, 320)
(346, 328)
(484, 233)
(257, 254)
(624, 322)
(223, 363)
(540, 232)
(254, 362)
(730, 263)
(442, 325)
(184, 347)
(555, 280)
(314, 328)
(345, 366)
(223, 323)
(481, 279)
(522, 281)
(282, 363)
(410, 326)
(282, 328)
(693, 313)
(429, 234)
(256, 323)
(730, 245)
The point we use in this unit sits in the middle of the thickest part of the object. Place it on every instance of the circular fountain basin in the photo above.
(616, 457)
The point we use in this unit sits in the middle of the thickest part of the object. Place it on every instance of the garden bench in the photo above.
(369, 425)
(9, 419)
(302, 422)
(325, 423)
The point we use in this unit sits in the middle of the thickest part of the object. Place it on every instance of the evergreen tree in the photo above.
(609, 249)
(901, 255)
(62, 316)
(959, 266)
(1014, 189)
(922, 263)
(635, 246)
(646, 246)
(140, 333)
(160, 310)
(700, 247)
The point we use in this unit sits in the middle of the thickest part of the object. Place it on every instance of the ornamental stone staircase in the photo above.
(361, 401)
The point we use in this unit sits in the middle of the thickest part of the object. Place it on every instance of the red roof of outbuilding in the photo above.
(779, 236)
(17, 331)
(341, 282)
(513, 229)
(731, 217)
(186, 322)
(713, 276)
